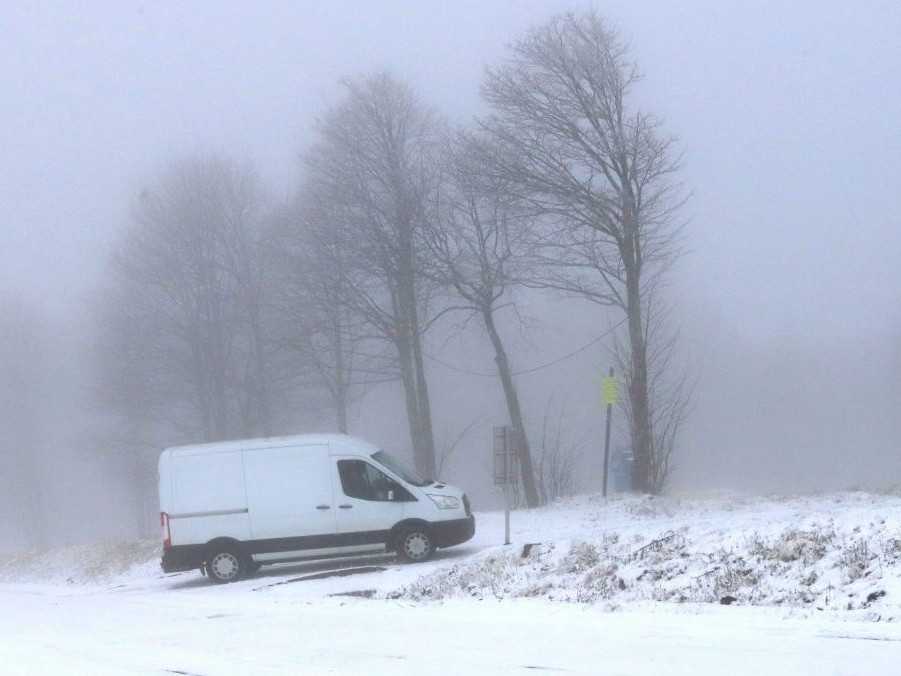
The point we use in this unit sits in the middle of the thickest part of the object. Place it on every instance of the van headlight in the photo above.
(444, 501)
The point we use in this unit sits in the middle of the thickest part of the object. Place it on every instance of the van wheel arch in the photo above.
(401, 526)
(223, 545)
(223, 542)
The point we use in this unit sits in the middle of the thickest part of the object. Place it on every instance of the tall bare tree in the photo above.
(245, 258)
(329, 346)
(598, 170)
(184, 320)
(376, 157)
(477, 244)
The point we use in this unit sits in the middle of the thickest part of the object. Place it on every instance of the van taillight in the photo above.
(164, 525)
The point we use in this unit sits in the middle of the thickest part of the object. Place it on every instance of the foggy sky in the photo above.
(788, 114)
(789, 118)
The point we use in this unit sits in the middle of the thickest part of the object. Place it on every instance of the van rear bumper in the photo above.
(182, 557)
(455, 532)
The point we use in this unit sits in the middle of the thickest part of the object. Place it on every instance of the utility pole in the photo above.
(611, 396)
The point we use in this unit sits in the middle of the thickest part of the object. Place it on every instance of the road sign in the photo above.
(610, 391)
(506, 465)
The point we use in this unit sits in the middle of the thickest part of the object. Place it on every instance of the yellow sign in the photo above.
(610, 391)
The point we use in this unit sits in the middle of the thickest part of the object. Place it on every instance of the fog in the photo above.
(786, 297)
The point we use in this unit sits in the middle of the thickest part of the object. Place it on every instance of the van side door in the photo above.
(368, 500)
(289, 494)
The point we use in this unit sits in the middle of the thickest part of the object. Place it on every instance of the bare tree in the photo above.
(558, 456)
(477, 246)
(246, 259)
(329, 345)
(598, 171)
(184, 321)
(376, 157)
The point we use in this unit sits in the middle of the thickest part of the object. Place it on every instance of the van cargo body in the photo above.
(229, 507)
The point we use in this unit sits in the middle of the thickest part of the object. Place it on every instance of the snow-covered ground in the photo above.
(632, 586)
(838, 552)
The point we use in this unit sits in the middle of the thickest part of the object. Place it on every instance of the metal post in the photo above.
(508, 477)
(607, 443)
(506, 514)
(504, 469)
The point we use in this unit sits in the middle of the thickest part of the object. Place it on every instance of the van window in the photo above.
(361, 480)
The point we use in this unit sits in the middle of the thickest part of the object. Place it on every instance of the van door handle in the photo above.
(345, 506)
(322, 507)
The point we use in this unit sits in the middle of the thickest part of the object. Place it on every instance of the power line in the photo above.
(592, 342)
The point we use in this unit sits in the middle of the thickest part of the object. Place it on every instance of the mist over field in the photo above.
(781, 292)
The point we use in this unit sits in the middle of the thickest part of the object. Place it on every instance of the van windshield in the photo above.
(400, 468)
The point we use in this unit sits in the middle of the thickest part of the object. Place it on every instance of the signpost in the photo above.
(610, 395)
(506, 468)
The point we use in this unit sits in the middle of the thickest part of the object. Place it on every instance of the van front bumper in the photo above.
(454, 532)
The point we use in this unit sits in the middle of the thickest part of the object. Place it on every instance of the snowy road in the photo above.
(197, 629)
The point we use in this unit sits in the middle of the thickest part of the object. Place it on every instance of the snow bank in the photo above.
(83, 564)
(831, 552)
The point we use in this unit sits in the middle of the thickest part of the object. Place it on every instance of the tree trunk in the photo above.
(410, 351)
(340, 380)
(408, 381)
(427, 436)
(341, 412)
(264, 408)
(219, 397)
(513, 408)
(638, 386)
(218, 366)
(201, 387)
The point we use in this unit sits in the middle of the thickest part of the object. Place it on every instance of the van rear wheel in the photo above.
(225, 565)
(415, 545)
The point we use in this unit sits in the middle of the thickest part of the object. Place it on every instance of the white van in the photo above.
(228, 508)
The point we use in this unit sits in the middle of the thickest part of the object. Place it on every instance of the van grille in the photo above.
(466, 505)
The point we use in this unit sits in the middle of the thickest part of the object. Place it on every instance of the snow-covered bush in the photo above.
(807, 546)
(855, 559)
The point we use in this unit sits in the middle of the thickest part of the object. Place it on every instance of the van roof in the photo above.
(269, 442)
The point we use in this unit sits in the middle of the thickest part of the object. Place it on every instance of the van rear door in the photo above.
(289, 493)
(204, 497)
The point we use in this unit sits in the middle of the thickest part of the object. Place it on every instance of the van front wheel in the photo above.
(415, 545)
(226, 565)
